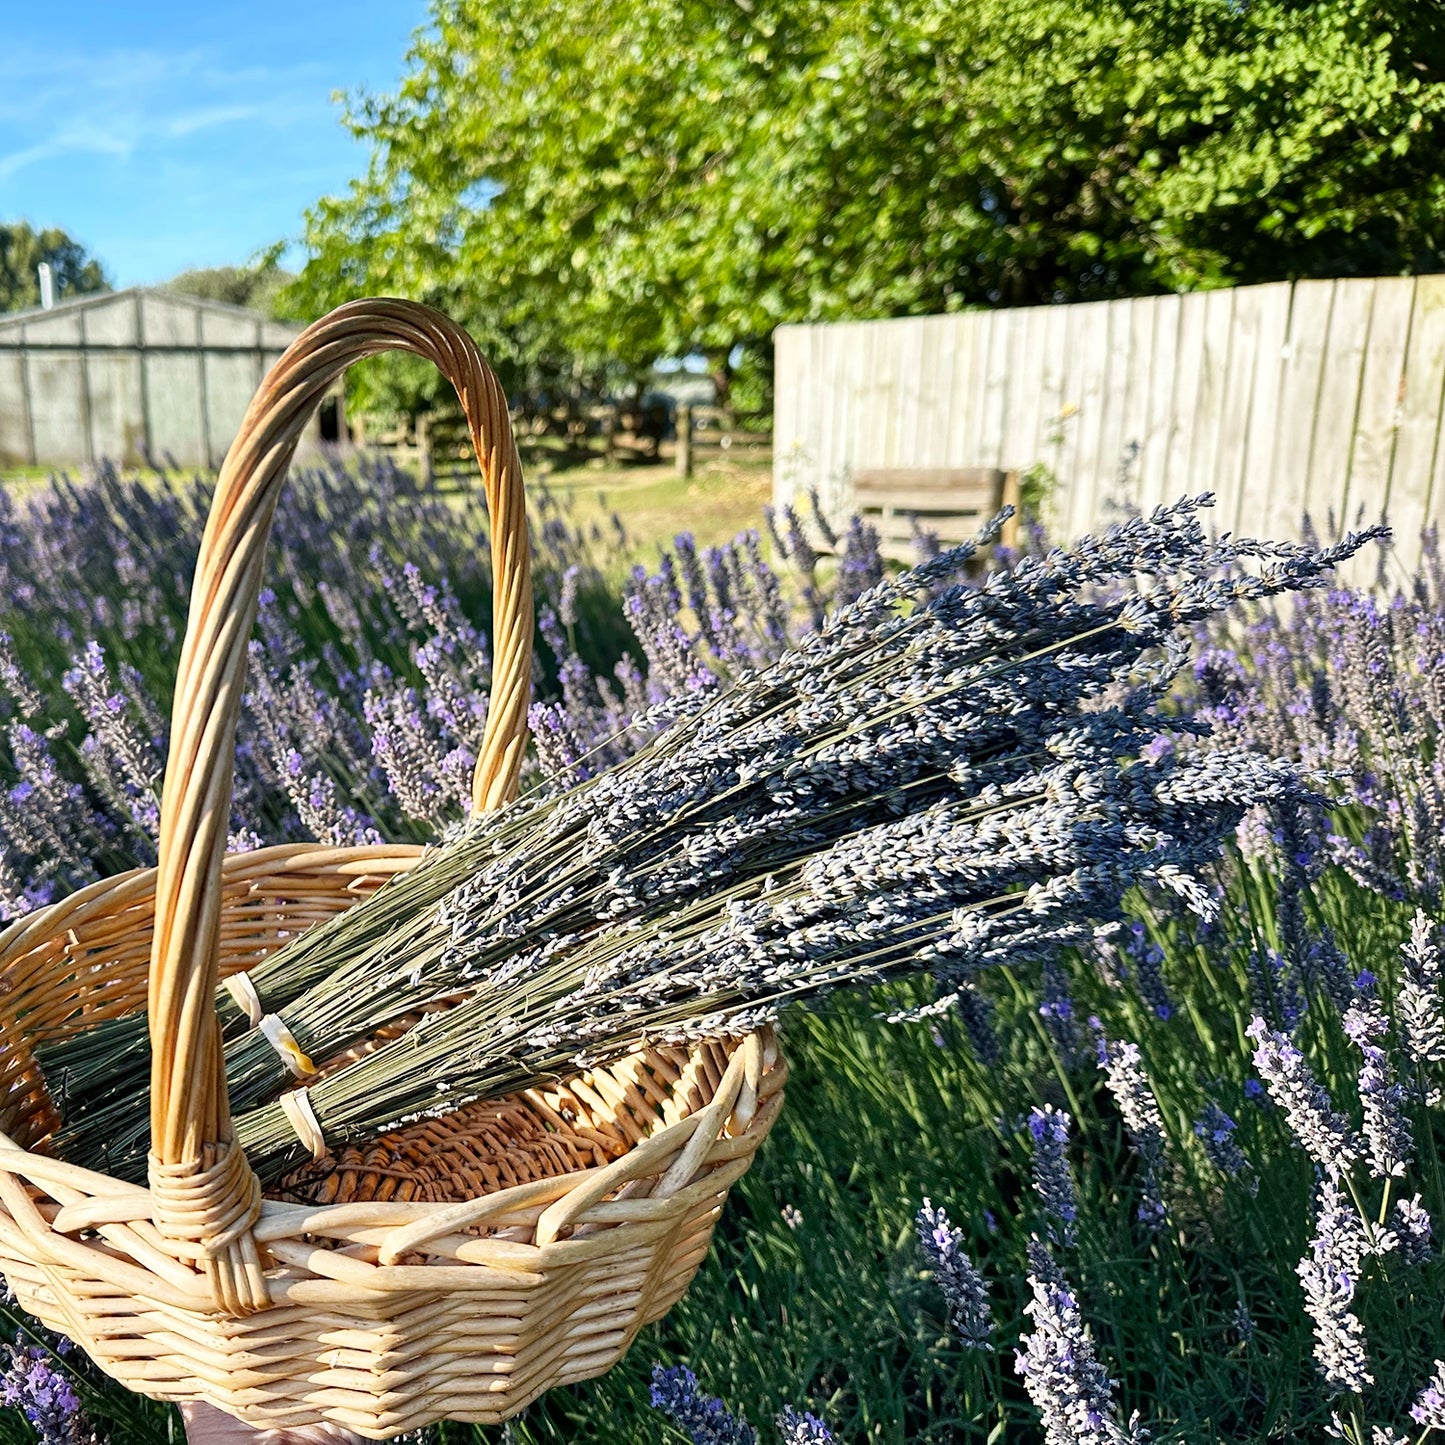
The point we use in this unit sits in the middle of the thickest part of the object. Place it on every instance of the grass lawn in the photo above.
(720, 499)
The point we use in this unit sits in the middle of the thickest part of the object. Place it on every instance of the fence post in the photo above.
(684, 439)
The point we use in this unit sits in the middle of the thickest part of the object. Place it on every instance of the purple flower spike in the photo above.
(798, 1428)
(959, 1281)
(1324, 1134)
(1429, 1407)
(703, 1417)
(44, 1396)
(1049, 1128)
(1068, 1385)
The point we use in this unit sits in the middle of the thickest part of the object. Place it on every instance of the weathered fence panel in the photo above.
(1326, 397)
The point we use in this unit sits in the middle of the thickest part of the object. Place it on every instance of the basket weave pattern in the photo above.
(475, 1261)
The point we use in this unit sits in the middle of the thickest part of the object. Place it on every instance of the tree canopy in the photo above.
(22, 249)
(584, 184)
(259, 285)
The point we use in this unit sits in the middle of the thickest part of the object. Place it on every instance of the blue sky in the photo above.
(164, 135)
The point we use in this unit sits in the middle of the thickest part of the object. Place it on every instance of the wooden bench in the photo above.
(951, 502)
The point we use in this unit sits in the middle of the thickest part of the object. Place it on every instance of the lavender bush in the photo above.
(1238, 1237)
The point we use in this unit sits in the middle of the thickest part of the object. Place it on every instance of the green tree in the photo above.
(588, 185)
(22, 249)
(259, 286)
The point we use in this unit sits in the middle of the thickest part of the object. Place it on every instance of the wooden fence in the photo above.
(1315, 396)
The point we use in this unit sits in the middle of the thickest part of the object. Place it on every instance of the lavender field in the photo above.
(1182, 1182)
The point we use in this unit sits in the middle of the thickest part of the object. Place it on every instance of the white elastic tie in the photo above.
(243, 993)
(302, 1117)
(273, 1028)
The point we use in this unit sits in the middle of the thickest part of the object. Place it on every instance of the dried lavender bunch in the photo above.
(943, 778)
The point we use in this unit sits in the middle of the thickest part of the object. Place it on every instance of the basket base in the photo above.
(392, 1310)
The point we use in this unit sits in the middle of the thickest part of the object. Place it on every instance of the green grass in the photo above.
(724, 496)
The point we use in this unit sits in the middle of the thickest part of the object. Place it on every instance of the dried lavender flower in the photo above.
(958, 1280)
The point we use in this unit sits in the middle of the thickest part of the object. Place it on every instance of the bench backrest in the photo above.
(950, 502)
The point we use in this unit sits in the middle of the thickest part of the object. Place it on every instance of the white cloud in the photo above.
(123, 103)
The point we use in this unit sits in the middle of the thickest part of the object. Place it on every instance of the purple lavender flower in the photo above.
(1276, 987)
(1057, 1010)
(31, 1384)
(1330, 1275)
(1146, 961)
(1324, 1134)
(1134, 1097)
(1414, 1229)
(1215, 1131)
(1049, 1128)
(1068, 1385)
(16, 682)
(1429, 1407)
(703, 1417)
(959, 1281)
(800, 1428)
(121, 761)
(1387, 1135)
(1418, 1003)
(861, 565)
(976, 1014)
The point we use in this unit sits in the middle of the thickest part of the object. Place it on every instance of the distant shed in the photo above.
(134, 376)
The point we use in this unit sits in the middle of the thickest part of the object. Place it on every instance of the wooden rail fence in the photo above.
(1314, 396)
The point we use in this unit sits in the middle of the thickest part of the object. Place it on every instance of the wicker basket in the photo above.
(469, 1264)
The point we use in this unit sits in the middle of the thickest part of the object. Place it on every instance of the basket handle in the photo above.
(206, 1197)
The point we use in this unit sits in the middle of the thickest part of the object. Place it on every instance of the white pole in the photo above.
(47, 286)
